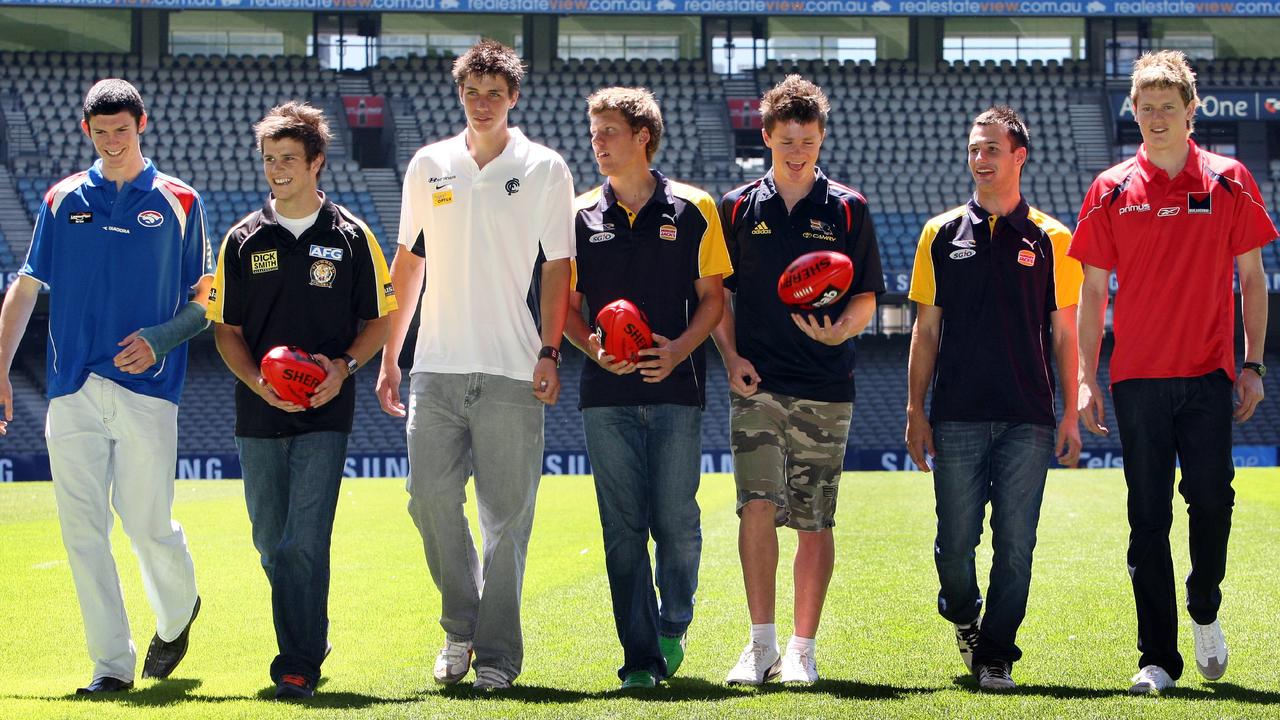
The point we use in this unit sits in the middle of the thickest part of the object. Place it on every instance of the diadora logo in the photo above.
(328, 253)
(964, 254)
(600, 237)
(1144, 207)
(1168, 212)
(513, 186)
(150, 218)
(761, 228)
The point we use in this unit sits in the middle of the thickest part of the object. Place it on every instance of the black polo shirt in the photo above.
(997, 280)
(763, 238)
(651, 257)
(311, 291)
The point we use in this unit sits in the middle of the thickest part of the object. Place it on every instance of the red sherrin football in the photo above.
(815, 279)
(293, 373)
(624, 330)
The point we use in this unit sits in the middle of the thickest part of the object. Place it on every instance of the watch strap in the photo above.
(549, 352)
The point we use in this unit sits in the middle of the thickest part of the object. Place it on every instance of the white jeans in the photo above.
(108, 444)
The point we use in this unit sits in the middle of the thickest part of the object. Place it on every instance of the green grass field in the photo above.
(883, 651)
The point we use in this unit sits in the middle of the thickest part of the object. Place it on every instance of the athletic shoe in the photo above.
(488, 678)
(1211, 649)
(967, 641)
(105, 684)
(798, 666)
(163, 656)
(1151, 680)
(294, 687)
(453, 662)
(758, 664)
(673, 650)
(639, 680)
(994, 676)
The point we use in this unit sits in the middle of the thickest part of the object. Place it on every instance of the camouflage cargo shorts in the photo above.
(790, 452)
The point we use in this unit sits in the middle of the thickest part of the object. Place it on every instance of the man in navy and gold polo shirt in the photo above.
(301, 271)
(791, 375)
(658, 244)
(995, 292)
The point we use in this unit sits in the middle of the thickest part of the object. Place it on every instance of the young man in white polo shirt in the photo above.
(487, 220)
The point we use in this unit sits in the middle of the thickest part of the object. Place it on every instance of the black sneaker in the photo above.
(294, 687)
(105, 684)
(994, 676)
(163, 657)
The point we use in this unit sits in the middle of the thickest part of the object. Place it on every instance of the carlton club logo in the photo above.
(512, 186)
(150, 218)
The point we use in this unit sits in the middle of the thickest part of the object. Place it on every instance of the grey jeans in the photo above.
(491, 424)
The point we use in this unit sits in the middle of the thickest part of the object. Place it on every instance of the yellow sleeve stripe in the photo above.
(381, 275)
(573, 275)
(218, 293)
(713, 253)
(1068, 274)
(588, 199)
(924, 281)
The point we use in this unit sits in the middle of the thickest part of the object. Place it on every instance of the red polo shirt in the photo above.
(1172, 243)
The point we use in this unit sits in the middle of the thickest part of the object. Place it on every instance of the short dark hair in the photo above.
(1007, 118)
(637, 106)
(299, 121)
(794, 99)
(111, 96)
(490, 57)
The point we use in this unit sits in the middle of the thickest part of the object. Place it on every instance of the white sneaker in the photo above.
(1151, 680)
(1211, 649)
(995, 676)
(453, 662)
(967, 641)
(798, 666)
(488, 678)
(758, 664)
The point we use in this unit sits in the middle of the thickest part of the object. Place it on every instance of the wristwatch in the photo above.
(1256, 367)
(549, 352)
(352, 365)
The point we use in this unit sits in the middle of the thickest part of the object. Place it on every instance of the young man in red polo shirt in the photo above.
(1169, 222)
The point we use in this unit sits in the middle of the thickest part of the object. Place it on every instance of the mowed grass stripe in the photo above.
(883, 650)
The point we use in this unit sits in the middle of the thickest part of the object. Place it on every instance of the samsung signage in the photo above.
(979, 8)
(1217, 105)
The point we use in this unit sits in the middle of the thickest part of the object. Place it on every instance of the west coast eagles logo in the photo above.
(322, 273)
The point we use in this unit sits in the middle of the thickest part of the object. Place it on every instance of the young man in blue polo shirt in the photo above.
(993, 278)
(658, 244)
(791, 374)
(305, 272)
(122, 250)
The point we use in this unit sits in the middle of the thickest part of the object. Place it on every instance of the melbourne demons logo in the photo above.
(150, 219)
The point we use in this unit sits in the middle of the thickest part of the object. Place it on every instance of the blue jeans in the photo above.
(291, 488)
(1005, 463)
(647, 461)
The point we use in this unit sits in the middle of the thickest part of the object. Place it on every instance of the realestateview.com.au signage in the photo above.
(1058, 8)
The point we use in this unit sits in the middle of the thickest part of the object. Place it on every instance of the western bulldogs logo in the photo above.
(150, 219)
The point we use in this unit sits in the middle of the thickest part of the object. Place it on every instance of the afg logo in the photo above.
(150, 218)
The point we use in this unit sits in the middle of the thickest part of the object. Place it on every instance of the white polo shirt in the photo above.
(480, 232)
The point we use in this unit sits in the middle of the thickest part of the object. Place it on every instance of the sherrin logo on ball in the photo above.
(624, 330)
(150, 218)
(293, 373)
(816, 279)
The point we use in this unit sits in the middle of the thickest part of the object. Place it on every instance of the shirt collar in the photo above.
(516, 140)
(328, 213)
(1018, 216)
(143, 181)
(662, 193)
(1150, 170)
(818, 194)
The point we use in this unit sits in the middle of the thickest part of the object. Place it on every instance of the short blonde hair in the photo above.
(638, 107)
(1163, 70)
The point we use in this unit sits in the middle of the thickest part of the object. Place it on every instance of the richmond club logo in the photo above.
(150, 218)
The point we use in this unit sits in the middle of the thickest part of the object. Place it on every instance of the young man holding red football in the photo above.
(657, 244)
(791, 374)
(486, 221)
(993, 278)
(122, 250)
(1172, 221)
(301, 272)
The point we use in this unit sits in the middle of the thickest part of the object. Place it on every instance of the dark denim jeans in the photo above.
(1160, 420)
(1006, 464)
(291, 488)
(646, 460)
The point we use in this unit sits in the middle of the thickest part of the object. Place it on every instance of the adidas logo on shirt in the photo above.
(761, 228)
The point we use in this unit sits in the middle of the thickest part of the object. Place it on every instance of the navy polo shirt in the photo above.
(763, 238)
(652, 257)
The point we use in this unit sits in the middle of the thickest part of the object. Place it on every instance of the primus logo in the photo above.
(1144, 207)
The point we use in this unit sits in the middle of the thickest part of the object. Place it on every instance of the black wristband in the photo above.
(549, 352)
(1256, 367)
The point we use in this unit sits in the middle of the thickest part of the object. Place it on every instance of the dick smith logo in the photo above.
(512, 186)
